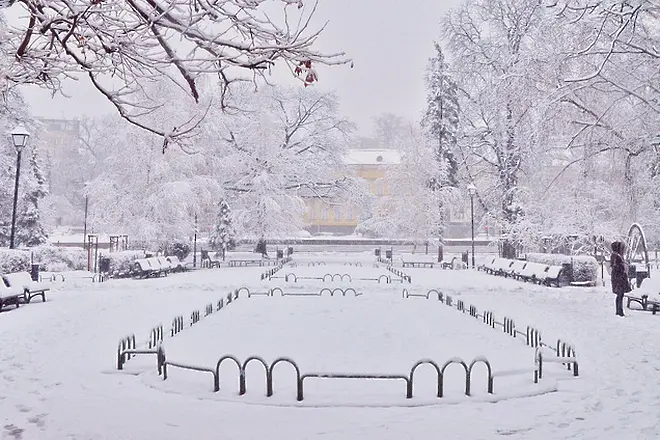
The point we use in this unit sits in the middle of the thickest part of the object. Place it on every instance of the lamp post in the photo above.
(472, 190)
(19, 137)
(195, 245)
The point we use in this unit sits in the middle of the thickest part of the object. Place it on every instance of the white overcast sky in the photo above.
(389, 41)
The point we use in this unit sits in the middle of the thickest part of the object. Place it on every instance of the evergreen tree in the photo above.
(223, 236)
(441, 117)
(29, 228)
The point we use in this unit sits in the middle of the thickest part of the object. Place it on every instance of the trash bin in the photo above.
(440, 254)
(104, 265)
(280, 253)
(388, 254)
(465, 257)
(34, 272)
(290, 250)
(377, 252)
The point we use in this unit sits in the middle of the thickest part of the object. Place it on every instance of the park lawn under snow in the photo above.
(58, 376)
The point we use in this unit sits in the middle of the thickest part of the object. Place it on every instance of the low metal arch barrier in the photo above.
(509, 326)
(98, 278)
(449, 301)
(566, 350)
(475, 361)
(220, 305)
(286, 277)
(533, 337)
(216, 386)
(419, 363)
(230, 298)
(270, 377)
(388, 279)
(208, 310)
(473, 311)
(242, 377)
(54, 276)
(123, 355)
(276, 289)
(437, 292)
(460, 306)
(451, 361)
(238, 291)
(316, 263)
(155, 336)
(177, 325)
(489, 318)
(194, 317)
(356, 264)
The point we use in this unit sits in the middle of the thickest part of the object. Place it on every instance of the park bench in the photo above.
(534, 272)
(248, 259)
(645, 303)
(552, 274)
(485, 263)
(165, 264)
(501, 266)
(23, 280)
(413, 260)
(147, 268)
(650, 287)
(176, 264)
(10, 295)
(515, 269)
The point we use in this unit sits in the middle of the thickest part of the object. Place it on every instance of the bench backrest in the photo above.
(553, 271)
(164, 263)
(154, 263)
(174, 261)
(19, 280)
(9, 288)
(502, 264)
(518, 266)
(144, 264)
(533, 269)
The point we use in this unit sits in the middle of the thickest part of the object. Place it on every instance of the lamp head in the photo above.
(19, 137)
(472, 190)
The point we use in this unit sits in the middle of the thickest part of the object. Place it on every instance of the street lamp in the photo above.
(19, 137)
(472, 190)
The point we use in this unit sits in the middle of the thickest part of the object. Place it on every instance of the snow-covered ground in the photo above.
(58, 378)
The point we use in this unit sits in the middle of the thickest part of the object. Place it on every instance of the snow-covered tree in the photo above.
(285, 144)
(29, 228)
(121, 45)
(493, 44)
(223, 235)
(441, 116)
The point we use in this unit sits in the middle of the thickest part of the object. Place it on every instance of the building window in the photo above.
(324, 213)
(337, 213)
(311, 210)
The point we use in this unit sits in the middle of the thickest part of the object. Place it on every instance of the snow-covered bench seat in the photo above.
(501, 266)
(147, 267)
(248, 259)
(534, 272)
(23, 280)
(416, 260)
(552, 274)
(176, 264)
(647, 296)
(485, 263)
(10, 295)
(515, 269)
(165, 265)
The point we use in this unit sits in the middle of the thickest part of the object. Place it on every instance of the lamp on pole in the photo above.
(19, 137)
(472, 190)
(195, 245)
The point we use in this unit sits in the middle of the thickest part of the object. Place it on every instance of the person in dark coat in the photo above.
(619, 273)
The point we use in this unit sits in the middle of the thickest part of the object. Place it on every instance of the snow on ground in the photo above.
(58, 377)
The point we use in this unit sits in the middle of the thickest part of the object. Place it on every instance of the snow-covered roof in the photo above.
(372, 157)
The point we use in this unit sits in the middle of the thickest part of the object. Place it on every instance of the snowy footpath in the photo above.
(58, 377)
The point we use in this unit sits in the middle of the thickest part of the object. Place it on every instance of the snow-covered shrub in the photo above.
(13, 260)
(180, 249)
(585, 267)
(59, 259)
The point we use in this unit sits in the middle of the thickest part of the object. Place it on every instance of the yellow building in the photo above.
(340, 216)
